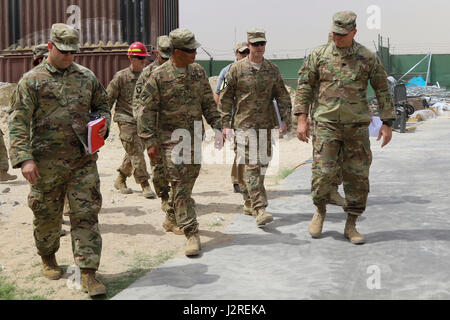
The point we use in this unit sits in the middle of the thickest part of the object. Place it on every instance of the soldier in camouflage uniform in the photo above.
(120, 93)
(175, 97)
(252, 84)
(340, 72)
(40, 52)
(159, 176)
(334, 198)
(49, 113)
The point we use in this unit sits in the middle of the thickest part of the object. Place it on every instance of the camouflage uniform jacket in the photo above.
(143, 78)
(179, 98)
(121, 91)
(340, 78)
(49, 112)
(252, 92)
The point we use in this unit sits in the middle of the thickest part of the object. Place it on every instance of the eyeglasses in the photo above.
(246, 51)
(65, 52)
(138, 57)
(258, 44)
(187, 50)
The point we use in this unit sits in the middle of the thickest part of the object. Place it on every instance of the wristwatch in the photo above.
(388, 123)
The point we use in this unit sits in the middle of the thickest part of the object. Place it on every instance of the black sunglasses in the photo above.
(65, 52)
(246, 51)
(187, 50)
(138, 57)
(258, 44)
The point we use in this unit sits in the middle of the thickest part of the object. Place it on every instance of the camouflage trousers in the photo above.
(159, 178)
(4, 164)
(351, 142)
(182, 178)
(255, 153)
(338, 180)
(134, 161)
(237, 172)
(78, 179)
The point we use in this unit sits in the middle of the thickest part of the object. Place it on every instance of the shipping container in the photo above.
(26, 23)
(103, 64)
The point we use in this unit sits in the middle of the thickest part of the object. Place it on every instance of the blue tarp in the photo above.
(416, 82)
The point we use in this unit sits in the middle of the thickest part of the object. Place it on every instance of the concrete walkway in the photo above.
(407, 226)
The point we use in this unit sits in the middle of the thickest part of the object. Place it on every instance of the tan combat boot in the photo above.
(121, 185)
(336, 198)
(170, 224)
(147, 191)
(193, 244)
(90, 284)
(316, 224)
(248, 210)
(263, 217)
(50, 267)
(5, 176)
(350, 231)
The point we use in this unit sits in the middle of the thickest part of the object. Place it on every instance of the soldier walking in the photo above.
(48, 120)
(237, 172)
(340, 71)
(120, 93)
(159, 175)
(252, 84)
(178, 92)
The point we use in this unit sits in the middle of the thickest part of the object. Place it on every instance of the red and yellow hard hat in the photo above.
(138, 49)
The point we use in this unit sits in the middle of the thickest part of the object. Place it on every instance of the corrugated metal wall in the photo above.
(104, 65)
(26, 23)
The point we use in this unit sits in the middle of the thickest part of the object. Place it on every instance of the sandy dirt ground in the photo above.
(134, 241)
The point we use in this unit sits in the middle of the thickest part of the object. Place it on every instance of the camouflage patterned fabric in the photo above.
(339, 79)
(121, 92)
(172, 100)
(251, 92)
(4, 164)
(46, 199)
(49, 112)
(351, 142)
(159, 176)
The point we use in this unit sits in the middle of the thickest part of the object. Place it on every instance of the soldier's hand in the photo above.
(303, 126)
(153, 153)
(30, 171)
(228, 133)
(219, 139)
(102, 131)
(386, 133)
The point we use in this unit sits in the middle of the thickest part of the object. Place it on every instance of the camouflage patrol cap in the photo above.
(164, 47)
(183, 38)
(40, 51)
(343, 22)
(241, 46)
(64, 37)
(256, 35)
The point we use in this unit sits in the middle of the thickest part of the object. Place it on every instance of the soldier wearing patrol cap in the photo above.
(49, 113)
(120, 94)
(176, 96)
(339, 72)
(252, 85)
(159, 175)
(241, 51)
(39, 53)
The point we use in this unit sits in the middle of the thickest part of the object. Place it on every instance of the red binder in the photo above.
(95, 142)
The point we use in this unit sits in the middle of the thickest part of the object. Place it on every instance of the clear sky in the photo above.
(293, 27)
